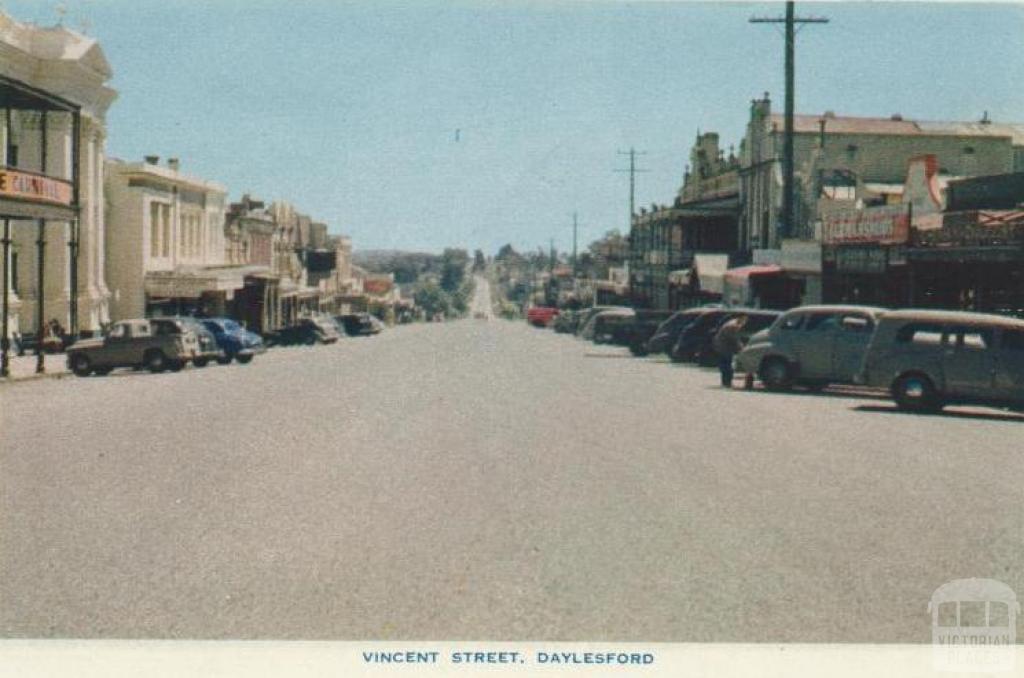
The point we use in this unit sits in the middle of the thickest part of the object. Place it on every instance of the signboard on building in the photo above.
(801, 256)
(34, 187)
(887, 224)
(377, 285)
(861, 259)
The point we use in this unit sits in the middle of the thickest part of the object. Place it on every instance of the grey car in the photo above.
(928, 359)
(811, 345)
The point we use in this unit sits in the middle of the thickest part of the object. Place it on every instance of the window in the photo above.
(972, 613)
(14, 272)
(165, 229)
(947, 615)
(1013, 340)
(141, 330)
(154, 229)
(857, 324)
(972, 338)
(925, 334)
(998, 614)
(791, 322)
(118, 331)
(822, 322)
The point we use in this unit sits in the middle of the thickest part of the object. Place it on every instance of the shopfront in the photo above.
(39, 201)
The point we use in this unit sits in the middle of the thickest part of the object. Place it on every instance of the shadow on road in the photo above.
(830, 392)
(951, 414)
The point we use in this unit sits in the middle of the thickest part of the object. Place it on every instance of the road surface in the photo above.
(486, 480)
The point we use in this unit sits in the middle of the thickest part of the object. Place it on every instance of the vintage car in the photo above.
(207, 348)
(812, 346)
(695, 341)
(929, 359)
(234, 341)
(132, 343)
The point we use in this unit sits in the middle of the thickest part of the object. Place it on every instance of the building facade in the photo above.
(53, 103)
(165, 241)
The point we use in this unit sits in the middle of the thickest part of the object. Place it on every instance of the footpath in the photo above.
(23, 368)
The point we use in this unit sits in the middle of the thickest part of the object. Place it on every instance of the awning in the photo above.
(739, 275)
(192, 283)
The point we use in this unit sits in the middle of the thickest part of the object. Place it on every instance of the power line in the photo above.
(790, 20)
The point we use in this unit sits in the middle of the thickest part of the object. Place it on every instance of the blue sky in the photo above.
(350, 110)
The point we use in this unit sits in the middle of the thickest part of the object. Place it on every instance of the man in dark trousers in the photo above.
(727, 343)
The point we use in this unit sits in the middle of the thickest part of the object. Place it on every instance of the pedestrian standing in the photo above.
(727, 343)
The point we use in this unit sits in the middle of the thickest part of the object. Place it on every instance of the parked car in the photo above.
(358, 324)
(206, 344)
(695, 341)
(603, 327)
(566, 321)
(307, 331)
(645, 323)
(133, 343)
(541, 316)
(233, 340)
(929, 359)
(586, 314)
(665, 337)
(811, 345)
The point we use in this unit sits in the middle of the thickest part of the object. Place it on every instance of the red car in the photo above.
(541, 316)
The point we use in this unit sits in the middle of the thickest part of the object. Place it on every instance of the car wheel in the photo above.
(103, 371)
(155, 361)
(309, 340)
(175, 365)
(224, 359)
(776, 374)
(81, 366)
(244, 358)
(200, 362)
(915, 392)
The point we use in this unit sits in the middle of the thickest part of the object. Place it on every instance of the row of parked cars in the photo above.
(170, 343)
(925, 359)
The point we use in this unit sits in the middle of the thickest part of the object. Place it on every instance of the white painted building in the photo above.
(58, 62)
(165, 241)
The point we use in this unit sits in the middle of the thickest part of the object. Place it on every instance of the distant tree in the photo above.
(453, 268)
(479, 261)
(432, 299)
(507, 253)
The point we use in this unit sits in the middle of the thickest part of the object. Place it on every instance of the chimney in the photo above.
(152, 159)
(173, 163)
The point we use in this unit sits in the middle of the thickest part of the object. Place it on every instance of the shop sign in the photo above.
(801, 256)
(34, 187)
(861, 260)
(883, 224)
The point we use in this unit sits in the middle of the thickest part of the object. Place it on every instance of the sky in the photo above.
(422, 125)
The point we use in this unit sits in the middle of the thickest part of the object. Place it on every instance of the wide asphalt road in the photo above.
(486, 480)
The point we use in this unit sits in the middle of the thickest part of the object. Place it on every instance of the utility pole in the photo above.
(633, 169)
(575, 228)
(788, 192)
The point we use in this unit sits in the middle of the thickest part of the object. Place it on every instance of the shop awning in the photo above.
(192, 283)
(744, 273)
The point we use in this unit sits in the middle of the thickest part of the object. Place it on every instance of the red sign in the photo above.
(34, 187)
(886, 224)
